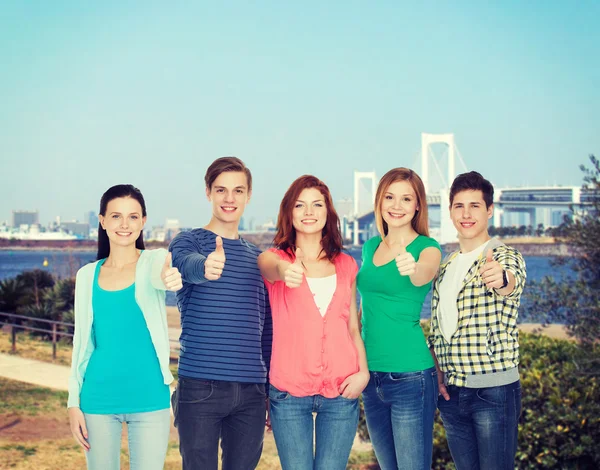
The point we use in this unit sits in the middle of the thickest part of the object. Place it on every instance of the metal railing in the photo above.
(54, 331)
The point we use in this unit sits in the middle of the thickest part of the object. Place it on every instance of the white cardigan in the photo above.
(149, 295)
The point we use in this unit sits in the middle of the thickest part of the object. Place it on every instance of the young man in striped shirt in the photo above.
(226, 331)
(474, 334)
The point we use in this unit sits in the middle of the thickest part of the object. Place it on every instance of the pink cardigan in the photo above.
(312, 354)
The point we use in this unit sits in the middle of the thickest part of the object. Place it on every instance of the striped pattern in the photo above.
(487, 338)
(226, 324)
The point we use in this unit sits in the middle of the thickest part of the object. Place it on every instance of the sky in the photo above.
(94, 94)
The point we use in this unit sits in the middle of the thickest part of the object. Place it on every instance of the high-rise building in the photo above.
(20, 217)
(91, 218)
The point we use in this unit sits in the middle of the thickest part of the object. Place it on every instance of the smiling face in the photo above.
(123, 221)
(310, 212)
(399, 204)
(229, 195)
(470, 217)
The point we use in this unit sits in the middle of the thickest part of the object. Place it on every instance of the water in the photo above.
(65, 264)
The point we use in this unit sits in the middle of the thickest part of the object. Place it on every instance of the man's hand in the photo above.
(215, 262)
(292, 273)
(171, 277)
(491, 272)
(405, 262)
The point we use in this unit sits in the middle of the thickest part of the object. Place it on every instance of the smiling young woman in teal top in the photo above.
(120, 364)
(395, 276)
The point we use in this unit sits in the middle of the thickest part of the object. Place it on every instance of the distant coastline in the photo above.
(528, 246)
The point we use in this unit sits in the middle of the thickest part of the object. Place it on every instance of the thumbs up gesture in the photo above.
(292, 273)
(215, 262)
(491, 272)
(171, 277)
(405, 262)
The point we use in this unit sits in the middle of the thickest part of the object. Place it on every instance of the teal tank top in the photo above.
(123, 375)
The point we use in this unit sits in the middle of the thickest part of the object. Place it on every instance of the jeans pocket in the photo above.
(492, 395)
(277, 395)
(194, 391)
(405, 376)
(260, 388)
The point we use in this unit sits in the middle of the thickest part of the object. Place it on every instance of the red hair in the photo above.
(285, 238)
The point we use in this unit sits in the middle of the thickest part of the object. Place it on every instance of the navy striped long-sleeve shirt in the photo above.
(226, 326)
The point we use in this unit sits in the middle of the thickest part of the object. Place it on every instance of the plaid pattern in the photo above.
(487, 337)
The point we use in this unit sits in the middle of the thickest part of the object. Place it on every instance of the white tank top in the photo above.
(322, 289)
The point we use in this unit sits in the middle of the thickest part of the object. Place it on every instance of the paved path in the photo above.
(34, 372)
(47, 374)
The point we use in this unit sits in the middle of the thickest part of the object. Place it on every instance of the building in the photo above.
(91, 218)
(20, 217)
(79, 229)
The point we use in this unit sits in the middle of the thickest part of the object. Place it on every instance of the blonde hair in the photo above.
(420, 222)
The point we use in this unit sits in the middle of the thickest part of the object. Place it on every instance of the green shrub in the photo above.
(560, 419)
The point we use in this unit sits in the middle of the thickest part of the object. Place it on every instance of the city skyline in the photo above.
(95, 95)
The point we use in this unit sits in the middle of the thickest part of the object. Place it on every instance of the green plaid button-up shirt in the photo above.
(486, 340)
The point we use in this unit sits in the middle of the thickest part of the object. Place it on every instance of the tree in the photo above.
(576, 302)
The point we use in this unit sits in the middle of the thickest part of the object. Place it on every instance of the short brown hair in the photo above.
(223, 164)
(420, 222)
(285, 238)
(472, 181)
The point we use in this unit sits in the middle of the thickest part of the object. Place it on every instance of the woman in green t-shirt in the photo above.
(396, 273)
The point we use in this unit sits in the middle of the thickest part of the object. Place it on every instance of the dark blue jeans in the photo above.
(206, 410)
(400, 409)
(334, 429)
(482, 425)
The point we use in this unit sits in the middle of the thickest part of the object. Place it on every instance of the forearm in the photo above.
(424, 273)
(191, 266)
(360, 348)
(268, 263)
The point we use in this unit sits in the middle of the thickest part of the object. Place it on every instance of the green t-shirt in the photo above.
(391, 315)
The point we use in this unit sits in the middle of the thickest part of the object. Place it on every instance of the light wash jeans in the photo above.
(334, 430)
(147, 433)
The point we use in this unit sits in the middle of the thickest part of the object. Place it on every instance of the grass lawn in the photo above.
(34, 434)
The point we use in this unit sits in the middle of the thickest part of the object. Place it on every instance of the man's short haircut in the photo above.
(472, 181)
(223, 164)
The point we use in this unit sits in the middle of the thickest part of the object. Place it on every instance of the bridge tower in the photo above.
(360, 175)
(448, 232)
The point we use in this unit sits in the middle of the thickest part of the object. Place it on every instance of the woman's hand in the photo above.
(354, 384)
(78, 427)
(171, 277)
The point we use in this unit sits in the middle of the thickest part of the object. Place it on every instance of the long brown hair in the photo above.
(285, 238)
(420, 222)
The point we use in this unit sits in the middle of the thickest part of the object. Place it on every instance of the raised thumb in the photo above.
(299, 255)
(219, 245)
(402, 246)
(489, 257)
(168, 260)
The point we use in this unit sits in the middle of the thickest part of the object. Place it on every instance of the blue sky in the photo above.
(150, 93)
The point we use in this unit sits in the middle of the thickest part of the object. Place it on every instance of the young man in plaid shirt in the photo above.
(474, 334)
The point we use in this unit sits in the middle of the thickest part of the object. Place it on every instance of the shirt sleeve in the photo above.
(188, 258)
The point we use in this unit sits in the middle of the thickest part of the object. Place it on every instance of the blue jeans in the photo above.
(148, 435)
(334, 430)
(206, 410)
(482, 426)
(400, 409)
